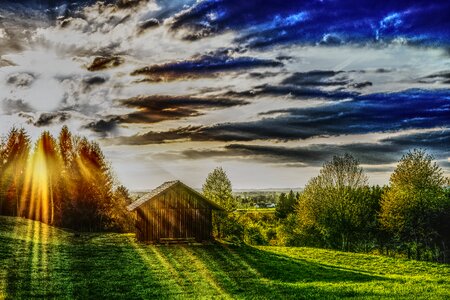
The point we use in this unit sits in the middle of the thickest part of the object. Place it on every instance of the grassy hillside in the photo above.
(41, 261)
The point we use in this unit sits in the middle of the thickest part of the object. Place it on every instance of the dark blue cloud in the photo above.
(315, 78)
(264, 23)
(204, 64)
(295, 92)
(382, 112)
(385, 151)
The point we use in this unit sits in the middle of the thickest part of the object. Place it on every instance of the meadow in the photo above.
(40, 261)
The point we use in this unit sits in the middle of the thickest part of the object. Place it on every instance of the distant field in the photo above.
(44, 262)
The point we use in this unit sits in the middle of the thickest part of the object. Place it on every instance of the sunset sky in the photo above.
(269, 90)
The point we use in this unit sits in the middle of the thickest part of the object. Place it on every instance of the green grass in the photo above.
(38, 261)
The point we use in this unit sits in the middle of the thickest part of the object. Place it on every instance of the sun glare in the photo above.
(37, 190)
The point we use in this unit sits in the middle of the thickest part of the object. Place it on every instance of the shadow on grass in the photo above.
(287, 269)
(19, 263)
(57, 264)
(34, 263)
(109, 265)
(248, 272)
(38, 264)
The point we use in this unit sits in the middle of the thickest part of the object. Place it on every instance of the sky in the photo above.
(269, 90)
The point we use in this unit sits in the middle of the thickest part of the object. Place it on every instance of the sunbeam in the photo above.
(37, 201)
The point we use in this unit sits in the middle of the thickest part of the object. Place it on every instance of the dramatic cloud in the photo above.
(103, 127)
(412, 109)
(439, 77)
(267, 84)
(160, 137)
(326, 22)
(315, 78)
(385, 151)
(159, 108)
(149, 23)
(105, 62)
(291, 91)
(203, 65)
(46, 119)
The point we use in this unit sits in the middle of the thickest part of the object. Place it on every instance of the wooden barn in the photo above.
(173, 212)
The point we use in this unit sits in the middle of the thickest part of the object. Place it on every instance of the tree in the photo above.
(333, 207)
(15, 152)
(66, 147)
(414, 204)
(41, 199)
(217, 188)
(286, 205)
(64, 183)
(92, 202)
(122, 218)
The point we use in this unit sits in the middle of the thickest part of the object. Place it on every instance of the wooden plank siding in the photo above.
(176, 213)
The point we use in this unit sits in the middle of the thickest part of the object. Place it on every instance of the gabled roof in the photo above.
(164, 187)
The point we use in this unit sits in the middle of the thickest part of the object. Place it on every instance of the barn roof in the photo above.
(164, 187)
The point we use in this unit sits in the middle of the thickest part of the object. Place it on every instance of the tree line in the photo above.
(338, 209)
(67, 182)
(63, 181)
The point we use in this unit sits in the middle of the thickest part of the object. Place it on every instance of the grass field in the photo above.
(41, 261)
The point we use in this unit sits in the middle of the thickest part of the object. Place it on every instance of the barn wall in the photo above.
(176, 213)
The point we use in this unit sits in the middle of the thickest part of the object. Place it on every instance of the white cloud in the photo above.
(58, 57)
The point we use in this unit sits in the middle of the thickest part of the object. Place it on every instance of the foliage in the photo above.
(122, 218)
(286, 204)
(289, 233)
(39, 261)
(14, 153)
(415, 208)
(337, 207)
(218, 189)
(65, 182)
